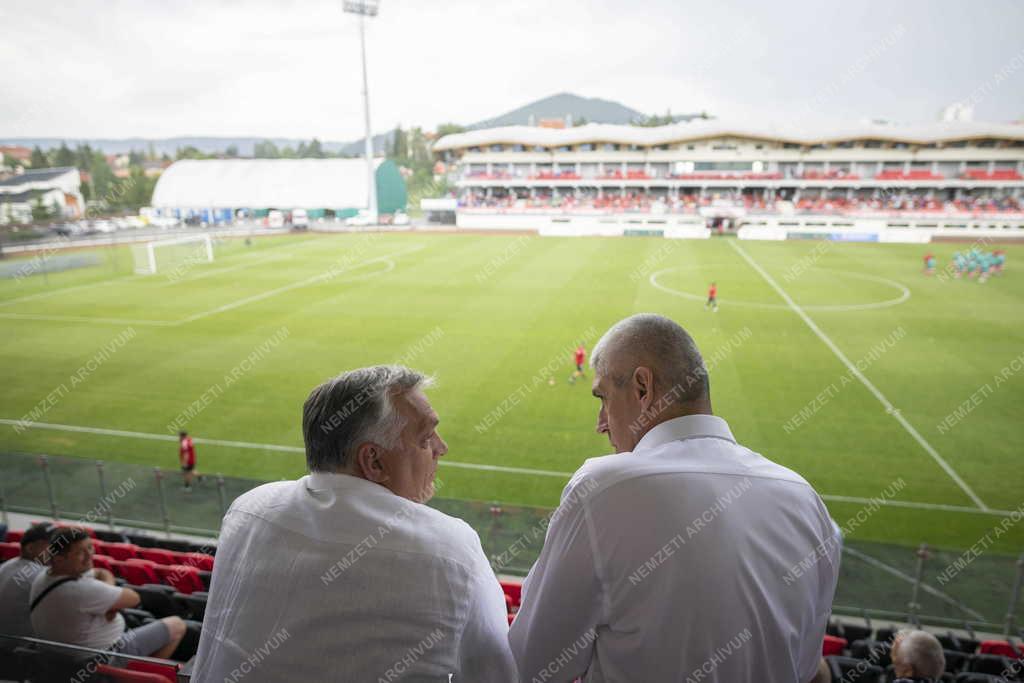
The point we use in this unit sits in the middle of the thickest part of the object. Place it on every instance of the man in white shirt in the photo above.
(74, 603)
(346, 574)
(16, 578)
(684, 556)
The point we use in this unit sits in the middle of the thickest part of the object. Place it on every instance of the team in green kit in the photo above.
(974, 264)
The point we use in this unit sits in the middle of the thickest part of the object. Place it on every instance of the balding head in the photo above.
(917, 654)
(647, 370)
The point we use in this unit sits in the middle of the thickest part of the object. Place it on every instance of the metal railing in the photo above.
(880, 580)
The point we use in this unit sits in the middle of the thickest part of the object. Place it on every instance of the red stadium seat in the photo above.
(138, 571)
(167, 672)
(8, 551)
(14, 536)
(103, 562)
(198, 560)
(124, 675)
(185, 579)
(998, 647)
(121, 551)
(514, 590)
(158, 555)
(833, 645)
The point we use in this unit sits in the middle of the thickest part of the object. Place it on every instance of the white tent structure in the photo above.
(263, 183)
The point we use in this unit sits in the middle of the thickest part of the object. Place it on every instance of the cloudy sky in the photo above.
(279, 68)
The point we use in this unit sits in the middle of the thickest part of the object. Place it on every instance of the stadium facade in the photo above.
(215, 190)
(687, 178)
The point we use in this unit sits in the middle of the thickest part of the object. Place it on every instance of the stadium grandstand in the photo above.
(710, 173)
(219, 191)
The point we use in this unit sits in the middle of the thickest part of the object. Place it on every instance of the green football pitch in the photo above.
(843, 362)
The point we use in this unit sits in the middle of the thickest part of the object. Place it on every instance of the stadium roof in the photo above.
(708, 128)
(263, 183)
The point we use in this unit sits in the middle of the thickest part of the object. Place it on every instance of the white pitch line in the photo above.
(82, 319)
(227, 269)
(256, 446)
(326, 275)
(63, 290)
(453, 463)
(889, 408)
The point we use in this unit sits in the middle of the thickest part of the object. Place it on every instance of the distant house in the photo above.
(58, 188)
(22, 154)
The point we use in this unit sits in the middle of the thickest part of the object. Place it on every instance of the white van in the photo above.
(300, 219)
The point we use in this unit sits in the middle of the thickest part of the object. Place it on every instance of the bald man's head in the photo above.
(647, 370)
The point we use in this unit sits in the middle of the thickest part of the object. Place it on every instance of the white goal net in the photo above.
(172, 255)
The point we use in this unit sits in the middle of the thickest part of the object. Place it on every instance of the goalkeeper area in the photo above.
(896, 394)
(176, 255)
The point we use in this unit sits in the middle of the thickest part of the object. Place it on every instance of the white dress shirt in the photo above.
(690, 559)
(333, 577)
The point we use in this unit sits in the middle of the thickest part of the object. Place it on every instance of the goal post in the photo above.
(171, 254)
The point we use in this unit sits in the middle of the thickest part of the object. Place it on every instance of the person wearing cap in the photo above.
(16, 578)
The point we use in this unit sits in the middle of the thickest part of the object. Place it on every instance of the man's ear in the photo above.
(643, 387)
(369, 464)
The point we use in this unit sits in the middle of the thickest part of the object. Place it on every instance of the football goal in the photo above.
(172, 254)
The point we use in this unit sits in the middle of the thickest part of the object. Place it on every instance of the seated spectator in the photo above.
(345, 574)
(16, 578)
(917, 657)
(74, 603)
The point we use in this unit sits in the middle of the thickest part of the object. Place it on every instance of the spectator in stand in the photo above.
(683, 548)
(74, 603)
(917, 657)
(16, 578)
(346, 571)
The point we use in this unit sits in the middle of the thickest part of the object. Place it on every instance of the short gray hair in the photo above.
(353, 408)
(922, 652)
(655, 339)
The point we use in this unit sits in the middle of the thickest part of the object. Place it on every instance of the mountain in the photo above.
(207, 145)
(592, 109)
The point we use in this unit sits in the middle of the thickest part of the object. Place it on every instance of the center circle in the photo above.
(903, 296)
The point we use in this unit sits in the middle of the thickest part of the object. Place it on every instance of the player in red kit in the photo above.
(712, 298)
(187, 457)
(579, 356)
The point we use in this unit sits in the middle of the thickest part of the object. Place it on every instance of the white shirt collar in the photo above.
(685, 427)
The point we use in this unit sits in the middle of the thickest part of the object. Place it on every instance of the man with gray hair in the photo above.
(684, 556)
(917, 657)
(345, 574)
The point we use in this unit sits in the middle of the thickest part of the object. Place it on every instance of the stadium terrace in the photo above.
(709, 174)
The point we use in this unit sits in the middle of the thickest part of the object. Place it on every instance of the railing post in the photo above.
(1011, 609)
(914, 606)
(3, 506)
(103, 494)
(221, 496)
(44, 464)
(163, 503)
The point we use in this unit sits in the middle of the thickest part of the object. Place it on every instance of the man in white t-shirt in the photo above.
(16, 578)
(74, 603)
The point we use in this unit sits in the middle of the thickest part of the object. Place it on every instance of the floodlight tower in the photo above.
(366, 8)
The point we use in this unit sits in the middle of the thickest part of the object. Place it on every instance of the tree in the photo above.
(189, 152)
(38, 158)
(315, 149)
(449, 129)
(231, 152)
(64, 156)
(266, 150)
(581, 121)
(40, 211)
(135, 158)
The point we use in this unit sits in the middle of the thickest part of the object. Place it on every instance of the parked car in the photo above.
(300, 219)
(275, 219)
(360, 219)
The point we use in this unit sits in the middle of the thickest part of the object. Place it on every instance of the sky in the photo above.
(280, 68)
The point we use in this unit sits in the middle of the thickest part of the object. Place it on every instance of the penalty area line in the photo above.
(889, 408)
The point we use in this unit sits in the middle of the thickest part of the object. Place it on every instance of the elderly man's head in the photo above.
(375, 423)
(917, 654)
(647, 369)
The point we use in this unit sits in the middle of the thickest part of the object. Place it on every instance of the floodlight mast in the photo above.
(366, 8)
